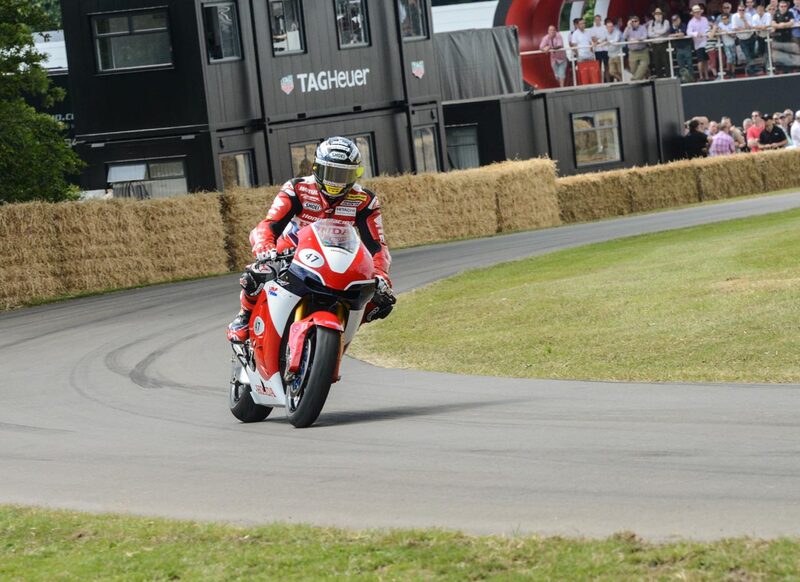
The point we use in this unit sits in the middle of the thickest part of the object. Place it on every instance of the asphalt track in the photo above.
(119, 403)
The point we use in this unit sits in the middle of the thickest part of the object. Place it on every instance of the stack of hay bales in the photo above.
(592, 196)
(242, 210)
(728, 176)
(28, 260)
(662, 186)
(779, 169)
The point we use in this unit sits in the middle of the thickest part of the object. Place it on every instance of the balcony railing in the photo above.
(758, 55)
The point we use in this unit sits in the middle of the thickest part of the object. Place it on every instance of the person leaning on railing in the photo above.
(746, 36)
(698, 29)
(683, 49)
(761, 21)
(723, 31)
(615, 52)
(638, 54)
(783, 46)
(553, 44)
(658, 29)
(599, 36)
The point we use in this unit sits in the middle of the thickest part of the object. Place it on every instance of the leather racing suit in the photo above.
(300, 203)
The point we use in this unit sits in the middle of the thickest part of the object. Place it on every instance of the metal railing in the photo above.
(789, 52)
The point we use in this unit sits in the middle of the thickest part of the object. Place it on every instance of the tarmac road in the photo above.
(119, 403)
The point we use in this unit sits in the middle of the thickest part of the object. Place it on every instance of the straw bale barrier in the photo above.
(591, 196)
(662, 186)
(242, 210)
(728, 176)
(526, 193)
(779, 169)
(27, 261)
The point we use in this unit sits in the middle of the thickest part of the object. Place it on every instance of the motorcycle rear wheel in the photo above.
(240, 399)
(307, 393)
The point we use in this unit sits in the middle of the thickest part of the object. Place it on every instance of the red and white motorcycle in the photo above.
(307, 313)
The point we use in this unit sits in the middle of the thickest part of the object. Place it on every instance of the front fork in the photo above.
(303, 324)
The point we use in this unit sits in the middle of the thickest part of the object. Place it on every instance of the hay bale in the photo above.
(28, 260)
(526, 194)
(725, 177)
(592, 196)
(778, 168)
(428, 208)
(661, 186)
(184, 236)
(242, 210)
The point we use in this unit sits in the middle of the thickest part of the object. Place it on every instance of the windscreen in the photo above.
(338, 235)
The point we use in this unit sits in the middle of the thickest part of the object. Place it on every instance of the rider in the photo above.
(330, 191)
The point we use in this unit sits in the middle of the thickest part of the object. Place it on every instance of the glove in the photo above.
(264, 252)
(384, 295)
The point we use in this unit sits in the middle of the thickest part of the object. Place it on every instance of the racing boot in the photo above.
(238, 330)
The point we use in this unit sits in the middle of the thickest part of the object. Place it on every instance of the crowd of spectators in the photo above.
(657, 46)
(757, 133)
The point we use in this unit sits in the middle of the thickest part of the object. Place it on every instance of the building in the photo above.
(171, 96)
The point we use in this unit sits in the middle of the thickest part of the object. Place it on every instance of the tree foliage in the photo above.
(34, 157)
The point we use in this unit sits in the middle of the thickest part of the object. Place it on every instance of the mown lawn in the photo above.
(717, 303)
(38, 544)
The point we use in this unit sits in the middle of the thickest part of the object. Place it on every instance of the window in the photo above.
(148, 179)
(132, 40)
(351, 23)
(426, 149)
(413, 19)
(221, 24)
(462, 146)
(237, 170)
(596, 137)
(303, 156)
(286, 21)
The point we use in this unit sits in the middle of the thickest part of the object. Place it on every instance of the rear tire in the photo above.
(320, 357)
(240, 399)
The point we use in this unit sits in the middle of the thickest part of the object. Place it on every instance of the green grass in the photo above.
(38, 544)
(712, 303)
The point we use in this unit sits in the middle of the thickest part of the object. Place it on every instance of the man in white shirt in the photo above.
(599, 36)
(582, 40)
(761, 21)
(795, 131)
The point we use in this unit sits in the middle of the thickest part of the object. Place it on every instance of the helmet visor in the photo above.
(337, 177)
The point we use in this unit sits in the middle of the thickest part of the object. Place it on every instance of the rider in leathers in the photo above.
(330, 192)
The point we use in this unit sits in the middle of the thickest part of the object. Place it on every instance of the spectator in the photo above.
(746, 125)
(795, 10)
(713, 129)
(683, 49)
(783, 46)
(750, 9)
(726, 10)
(795, 132)
(754, 132)
(724, 30)
(659, 29)
(553, 43)
(780, 122)
(599, 37)
(771, 137)
(696, 142)
(582, 40)
(722, 143)
(736, 134)
(761, 21)
(741, 23)
(638, 55)
(615, 54)
(698, 29)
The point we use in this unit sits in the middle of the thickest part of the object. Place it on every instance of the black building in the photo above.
(172, 96)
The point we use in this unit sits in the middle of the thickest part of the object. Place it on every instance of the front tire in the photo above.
(308, 391)
(240, 399)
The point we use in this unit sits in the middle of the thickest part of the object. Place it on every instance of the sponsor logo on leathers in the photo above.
(312, 206)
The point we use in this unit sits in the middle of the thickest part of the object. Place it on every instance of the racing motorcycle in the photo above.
(310, 304)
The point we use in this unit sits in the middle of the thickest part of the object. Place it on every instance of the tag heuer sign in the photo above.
(325, 80)
(418, 69)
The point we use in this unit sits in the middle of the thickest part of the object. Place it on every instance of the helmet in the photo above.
(337, 166)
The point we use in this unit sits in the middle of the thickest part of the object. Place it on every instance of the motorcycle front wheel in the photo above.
(307, 392)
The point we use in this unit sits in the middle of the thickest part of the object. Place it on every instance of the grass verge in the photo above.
(49, 545)
(713, 303)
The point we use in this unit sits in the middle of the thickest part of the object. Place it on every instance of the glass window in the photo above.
(413, 19)
(426, 149)
(148, 179)
(462, 146)
(132, 40)
(596, 137)
(222, 31)
(286, 22)
(303, 156)
(237, 170)
(351, 23)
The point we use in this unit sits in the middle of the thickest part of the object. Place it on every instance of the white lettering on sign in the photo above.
(327, 80)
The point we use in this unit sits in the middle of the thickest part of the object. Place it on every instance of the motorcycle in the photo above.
(309, 308)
